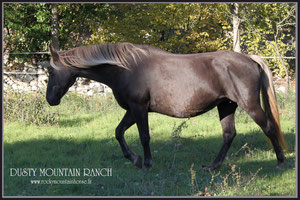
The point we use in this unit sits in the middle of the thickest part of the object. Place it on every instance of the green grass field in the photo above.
(80, 133)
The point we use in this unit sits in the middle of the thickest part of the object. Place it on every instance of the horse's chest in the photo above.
(121, 100)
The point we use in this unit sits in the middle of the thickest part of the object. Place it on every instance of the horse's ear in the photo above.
(54, 54)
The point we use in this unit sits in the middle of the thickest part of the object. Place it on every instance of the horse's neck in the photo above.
(107, 75)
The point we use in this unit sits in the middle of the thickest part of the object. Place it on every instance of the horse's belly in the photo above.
(177, 104)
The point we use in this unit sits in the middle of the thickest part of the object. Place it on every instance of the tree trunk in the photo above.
(236, 24)
(54, 27)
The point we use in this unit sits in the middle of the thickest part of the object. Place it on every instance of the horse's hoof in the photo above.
(207, 168)
(138, 162)
(280, 165)
(146, 169)
(148, 163)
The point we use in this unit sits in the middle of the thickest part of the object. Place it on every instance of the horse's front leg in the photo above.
(140, 113)
(126, 123)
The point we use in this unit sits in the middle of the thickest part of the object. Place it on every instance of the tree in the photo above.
(54, 27)
(235, 25)
(269, 30)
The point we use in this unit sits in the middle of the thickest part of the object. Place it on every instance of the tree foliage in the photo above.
(179, 28)
(269, 27)
(27, 27)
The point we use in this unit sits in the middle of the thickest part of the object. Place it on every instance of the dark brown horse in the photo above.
(147, 79)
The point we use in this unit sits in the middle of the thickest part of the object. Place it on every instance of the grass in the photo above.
(82, 135)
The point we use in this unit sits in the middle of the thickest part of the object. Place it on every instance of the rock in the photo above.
(20, 87)
(72, 89)
(90, 93)
(42, 77)
(31, 70)
(81, 92)
(33, 83)
(10, 82)
(41, 84)
(282, 89)
(26, 89)
(27, 78)
(79, 89)
(85, 87)
(19, 76)
(23, 84)
(40, 71)
(98, 87)
(34, 88)
(93, 84)
(14, 86)
(43, 64)
(85, 82)
(108, 89)
(5, 58)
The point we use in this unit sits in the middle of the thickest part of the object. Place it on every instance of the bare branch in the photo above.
(255, 29)
(288, 24)
(289, 15)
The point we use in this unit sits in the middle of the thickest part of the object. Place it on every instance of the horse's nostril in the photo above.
(52, 100)
(53, 96)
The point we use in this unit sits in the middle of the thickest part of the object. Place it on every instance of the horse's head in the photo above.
(61, 78)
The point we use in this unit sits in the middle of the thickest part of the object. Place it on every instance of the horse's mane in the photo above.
(124, 55)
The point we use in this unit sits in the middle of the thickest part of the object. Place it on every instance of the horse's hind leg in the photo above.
(267, 125)
(126, 123)
(226, 111)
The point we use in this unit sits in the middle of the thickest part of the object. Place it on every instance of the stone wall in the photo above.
(34, 78)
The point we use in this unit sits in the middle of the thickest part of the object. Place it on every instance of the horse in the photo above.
(145, 79)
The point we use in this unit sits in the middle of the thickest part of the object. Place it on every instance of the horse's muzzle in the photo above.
(53, 102)
(52, 96)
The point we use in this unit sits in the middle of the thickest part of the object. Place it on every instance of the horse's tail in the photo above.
(269, 98)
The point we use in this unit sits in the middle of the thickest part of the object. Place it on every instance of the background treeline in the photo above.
(266, 29)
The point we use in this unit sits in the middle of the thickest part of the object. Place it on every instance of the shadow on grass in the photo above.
(78, 121)
(172, 160)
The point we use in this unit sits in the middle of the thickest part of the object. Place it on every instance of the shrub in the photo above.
(31, 108)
